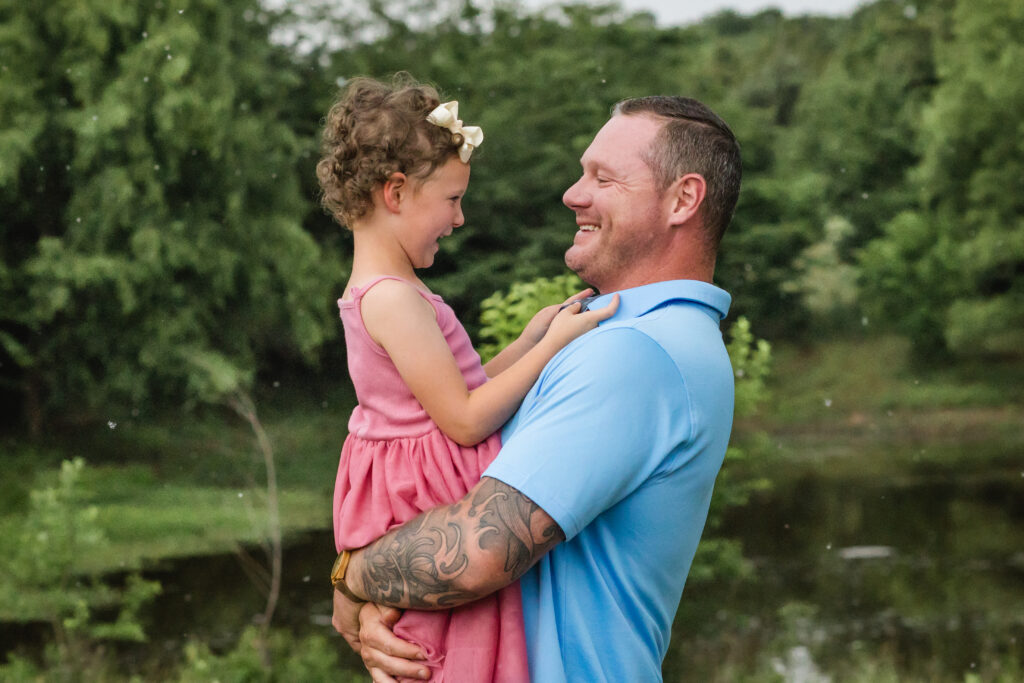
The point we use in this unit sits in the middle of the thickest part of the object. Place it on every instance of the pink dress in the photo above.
(395, 464)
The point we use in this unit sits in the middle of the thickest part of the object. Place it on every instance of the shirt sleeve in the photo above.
(604, 416)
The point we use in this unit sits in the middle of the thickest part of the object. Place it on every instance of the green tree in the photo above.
(753, 70)
(150, 199)
(852, 141)
(842, 158)
(950, 273)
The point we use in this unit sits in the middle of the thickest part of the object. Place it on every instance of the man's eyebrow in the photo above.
(596, 166)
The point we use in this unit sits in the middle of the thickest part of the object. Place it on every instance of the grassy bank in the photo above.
(851, 407)
(188, 484)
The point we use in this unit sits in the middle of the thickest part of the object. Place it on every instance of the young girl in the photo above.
(395, 169)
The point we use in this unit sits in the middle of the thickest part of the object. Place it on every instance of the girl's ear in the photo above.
(685, 196)
(394, 191)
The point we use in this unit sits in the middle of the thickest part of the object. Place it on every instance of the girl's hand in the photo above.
(570, 323)
(541, 320)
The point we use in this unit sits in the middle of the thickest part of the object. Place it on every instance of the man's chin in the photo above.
(575, 261)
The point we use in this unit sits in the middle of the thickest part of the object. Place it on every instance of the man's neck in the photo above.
(704, 273)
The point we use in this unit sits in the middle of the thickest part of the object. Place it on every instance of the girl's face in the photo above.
(432, 210)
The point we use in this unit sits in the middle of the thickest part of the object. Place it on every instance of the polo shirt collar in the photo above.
(637, 301)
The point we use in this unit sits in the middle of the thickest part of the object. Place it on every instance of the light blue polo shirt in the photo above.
(620, 441)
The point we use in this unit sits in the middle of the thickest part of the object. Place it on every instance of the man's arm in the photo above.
(454, 554)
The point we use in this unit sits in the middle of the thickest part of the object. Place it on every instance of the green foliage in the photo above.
(46, 575)
(907, 278)
(295, 658)
(158, 197)
(751, 363)
(151, 201)
(313, 658)
(854, 124)
(719, 558)
(949, 272)
(213, 378)
(504, 314)
(837, 104)
(826, 284)
(19, 669)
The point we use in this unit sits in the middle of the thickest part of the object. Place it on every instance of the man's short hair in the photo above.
(693, 139)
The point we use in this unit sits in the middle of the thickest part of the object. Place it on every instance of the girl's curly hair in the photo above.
(373, 130)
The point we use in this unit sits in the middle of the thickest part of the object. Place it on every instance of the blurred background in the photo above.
(173, 392)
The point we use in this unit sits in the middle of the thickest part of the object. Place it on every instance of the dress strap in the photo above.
(359, 292)
(351, 309)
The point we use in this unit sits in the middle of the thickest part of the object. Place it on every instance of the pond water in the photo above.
(927, 571)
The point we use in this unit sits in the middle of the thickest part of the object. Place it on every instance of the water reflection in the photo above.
(212, 598)
(925, 571)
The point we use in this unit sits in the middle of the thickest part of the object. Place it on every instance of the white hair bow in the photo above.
(447, 116)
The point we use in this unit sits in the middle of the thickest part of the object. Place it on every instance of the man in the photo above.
(601, 490)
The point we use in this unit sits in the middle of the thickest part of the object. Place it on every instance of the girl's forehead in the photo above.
(446, 179)
(453, 171)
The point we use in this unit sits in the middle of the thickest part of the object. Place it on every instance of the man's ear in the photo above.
(685, 197)
(394, 190)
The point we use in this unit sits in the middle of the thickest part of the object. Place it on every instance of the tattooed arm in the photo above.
(454, 554)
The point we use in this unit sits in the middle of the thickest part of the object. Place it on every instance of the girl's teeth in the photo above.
(588, 228)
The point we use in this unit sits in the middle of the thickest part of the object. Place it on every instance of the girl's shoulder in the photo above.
(389, 306)
(385, 289)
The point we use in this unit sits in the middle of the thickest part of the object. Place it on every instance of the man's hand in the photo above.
(367, 629)
(346, 619)
(385, 655)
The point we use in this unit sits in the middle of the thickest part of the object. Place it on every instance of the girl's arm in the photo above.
(399, 319)
(531, 334)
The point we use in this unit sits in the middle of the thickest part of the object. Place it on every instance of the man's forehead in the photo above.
(621, 140)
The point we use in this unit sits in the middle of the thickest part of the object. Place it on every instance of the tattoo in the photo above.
(504, 526)
(423, 564)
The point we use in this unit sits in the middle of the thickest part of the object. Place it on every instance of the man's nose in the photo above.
(576, 196)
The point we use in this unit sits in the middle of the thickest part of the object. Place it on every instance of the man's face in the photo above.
(621, 214)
